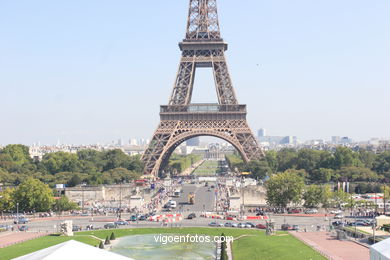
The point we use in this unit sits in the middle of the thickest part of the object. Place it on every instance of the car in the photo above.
(121, 223)
(286, 227)
(213, 224)
(261, 226)
(110, 225)
(234, 225)
(208, 189)
(250, 225)
(142, 218)
(132, 218)
(260, 213)
(228, 224)
(76, 228)
(339, 216)
(294, 211)
(21, 221)
(23, 228)
(212, 186)
(221, 225)
(337, 211)
(241, 225)
(295, 227)
(191, 216)
(337, 223)
(311, 211)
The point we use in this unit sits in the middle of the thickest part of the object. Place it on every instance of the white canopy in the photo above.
(72, 250)
(380, 250)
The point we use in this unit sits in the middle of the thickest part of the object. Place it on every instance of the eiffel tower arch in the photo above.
(181, 120)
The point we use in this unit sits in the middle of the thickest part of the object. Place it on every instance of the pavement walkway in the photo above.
(11, 238)
(333, 248)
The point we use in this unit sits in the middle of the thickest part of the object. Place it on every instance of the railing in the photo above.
(203, 108)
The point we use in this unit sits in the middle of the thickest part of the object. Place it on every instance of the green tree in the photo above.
(322, 175)
(271, 157)
(19, 153)
(313, 196)
(75, 180)
(284, 188)
(6, 200)
(64, 204)
(357, 174)
(32, 194)
(259, 169)
(60, 162)
(382, 162)
(340, 198)
(287, 159)
(308, 159)
(112, 237)
(345, 157)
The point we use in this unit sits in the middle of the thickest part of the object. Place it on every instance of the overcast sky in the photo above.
(94, 71)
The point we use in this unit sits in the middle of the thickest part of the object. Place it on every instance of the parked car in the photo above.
(191, 216)
(213, 224)
(260, 213)
(337, 211)
(21, 221)
(261, 226)
(228, 224)
(110, 225)
(250, 225)
(23, 228)
(241, 225)
(295, 227)
(234, 225)
(76, 228)
(294, 211)
(286, 227)
(337, 223)
(121, 223)
(142, 218)
(132, 218)
(311, 211)
(339, 216)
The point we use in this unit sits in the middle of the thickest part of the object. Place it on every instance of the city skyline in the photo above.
(95, 77)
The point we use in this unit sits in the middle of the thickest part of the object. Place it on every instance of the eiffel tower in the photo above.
(181, 120)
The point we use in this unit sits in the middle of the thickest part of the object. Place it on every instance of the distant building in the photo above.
(193, 141)
(261, 132)
(275, 140)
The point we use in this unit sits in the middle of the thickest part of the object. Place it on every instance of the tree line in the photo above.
(288, 189)
(86, 166)
(315, 166)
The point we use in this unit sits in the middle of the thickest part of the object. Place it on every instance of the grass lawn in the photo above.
(40, 243)
(207, 168)
(255, 246)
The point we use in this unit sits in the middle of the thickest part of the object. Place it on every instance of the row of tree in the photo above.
(315, 166)
(32, 195)
(288, 188)
(90, 166)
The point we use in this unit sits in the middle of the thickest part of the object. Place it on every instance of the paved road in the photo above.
(204, 200)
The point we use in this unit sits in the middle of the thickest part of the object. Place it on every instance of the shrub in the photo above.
(112, 237)
(101, 245)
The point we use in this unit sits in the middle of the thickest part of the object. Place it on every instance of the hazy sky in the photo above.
(94, 71)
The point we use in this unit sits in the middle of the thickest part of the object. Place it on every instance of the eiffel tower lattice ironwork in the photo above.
(181, 120)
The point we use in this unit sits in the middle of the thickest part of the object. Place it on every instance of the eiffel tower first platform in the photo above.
(181, 120)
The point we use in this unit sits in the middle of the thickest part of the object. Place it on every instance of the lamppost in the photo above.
(17, 212)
